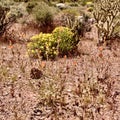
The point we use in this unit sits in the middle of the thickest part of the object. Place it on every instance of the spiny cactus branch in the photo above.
(106, 13)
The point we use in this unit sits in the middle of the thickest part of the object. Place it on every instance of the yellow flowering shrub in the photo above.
(59, 42)
(64, 36)
(43, 45)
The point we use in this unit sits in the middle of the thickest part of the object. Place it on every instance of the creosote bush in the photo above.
(60, 42)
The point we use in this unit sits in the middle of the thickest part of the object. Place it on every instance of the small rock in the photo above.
(61, 6)
(19, 76)
(35, 73)
(3, 47)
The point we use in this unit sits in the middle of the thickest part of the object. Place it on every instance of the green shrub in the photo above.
(44, 45)
(30, 6)
(60, 42)
(43, 14)
(64, 36)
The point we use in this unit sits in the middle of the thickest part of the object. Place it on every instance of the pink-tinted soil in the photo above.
(84, 87)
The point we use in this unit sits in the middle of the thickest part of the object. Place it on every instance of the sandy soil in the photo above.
(85, 87)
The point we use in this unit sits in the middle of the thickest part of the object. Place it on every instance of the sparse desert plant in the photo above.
(4, 73)
(68, 17)
(50, 90)
(91, 93)
(80, 26)
(106, 13)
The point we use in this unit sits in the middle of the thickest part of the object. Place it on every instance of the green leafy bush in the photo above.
(60, 42)
(64, 36)
(44, 45)
(43, 14)
(30, 6)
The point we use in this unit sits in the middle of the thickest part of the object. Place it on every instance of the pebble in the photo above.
(3, 47)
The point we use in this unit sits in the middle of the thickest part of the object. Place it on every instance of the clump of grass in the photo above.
(4, 73)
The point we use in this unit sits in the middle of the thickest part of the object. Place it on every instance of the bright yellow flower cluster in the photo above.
(49, 45)
(44, 44)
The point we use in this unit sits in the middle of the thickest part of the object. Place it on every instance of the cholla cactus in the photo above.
(106, 14)
(81, 25)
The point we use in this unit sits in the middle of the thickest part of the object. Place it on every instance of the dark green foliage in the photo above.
(78, 29)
